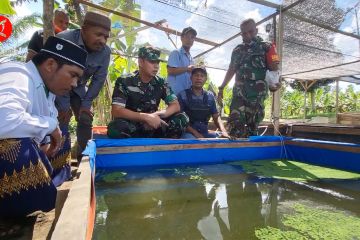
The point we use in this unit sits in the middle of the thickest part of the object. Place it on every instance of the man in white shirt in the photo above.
(28, 116)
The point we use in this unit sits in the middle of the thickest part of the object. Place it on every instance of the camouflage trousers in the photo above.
(122, 128)
(245, 116)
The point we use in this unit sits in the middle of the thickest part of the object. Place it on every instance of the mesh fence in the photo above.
(309, 52)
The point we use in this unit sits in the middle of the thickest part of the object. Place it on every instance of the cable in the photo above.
(352, 8)
(212, 19)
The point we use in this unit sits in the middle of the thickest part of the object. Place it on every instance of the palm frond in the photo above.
(24, 23)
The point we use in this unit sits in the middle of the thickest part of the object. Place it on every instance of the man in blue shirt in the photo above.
(180, 62)
(92, 37)
(200, 105)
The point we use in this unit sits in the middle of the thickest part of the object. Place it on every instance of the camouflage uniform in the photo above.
(250, 89)
(130, 92)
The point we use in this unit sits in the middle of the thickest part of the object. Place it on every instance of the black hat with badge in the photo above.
(66, 50)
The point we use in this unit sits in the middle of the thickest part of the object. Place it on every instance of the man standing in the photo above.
(180, 62)
(60, 23)
(136, 99)
(27, 95)
(92, 37)
(248, 62)
(200, 105)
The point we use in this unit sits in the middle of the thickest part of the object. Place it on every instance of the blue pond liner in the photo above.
(117, 153)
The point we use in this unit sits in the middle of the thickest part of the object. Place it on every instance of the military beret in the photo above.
(188, 29)
(198, 68)
(150, 53)
(66, 50)
(97, 19)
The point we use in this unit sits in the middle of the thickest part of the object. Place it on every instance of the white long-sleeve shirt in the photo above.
(25, 110)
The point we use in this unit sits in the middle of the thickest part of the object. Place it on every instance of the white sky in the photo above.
(177, 19)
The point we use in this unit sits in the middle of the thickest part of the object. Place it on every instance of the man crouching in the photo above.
(136, 99)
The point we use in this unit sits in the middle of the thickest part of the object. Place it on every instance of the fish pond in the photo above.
(268, 199)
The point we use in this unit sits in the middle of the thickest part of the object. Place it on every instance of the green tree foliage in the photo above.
(292, 101)
(123, 49)
(15, 48)
(6, 8)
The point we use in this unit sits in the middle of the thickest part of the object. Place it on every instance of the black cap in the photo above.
(66, 50)
(188, 29)
(198, 68)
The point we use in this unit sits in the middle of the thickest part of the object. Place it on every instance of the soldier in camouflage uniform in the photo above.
(136, 100)
(248, 62)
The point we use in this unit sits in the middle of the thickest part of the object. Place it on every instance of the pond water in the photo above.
(227, 201)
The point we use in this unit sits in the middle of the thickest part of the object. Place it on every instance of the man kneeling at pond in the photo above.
(136, 100)
(200, 105)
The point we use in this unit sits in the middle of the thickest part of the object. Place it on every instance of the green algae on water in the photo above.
(194, 174)
(292, 170)
(314, 223)
(114, 177)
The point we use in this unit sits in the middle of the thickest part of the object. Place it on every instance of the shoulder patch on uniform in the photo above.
(159, 79)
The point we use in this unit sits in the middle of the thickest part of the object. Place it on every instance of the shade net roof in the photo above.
(309, 52)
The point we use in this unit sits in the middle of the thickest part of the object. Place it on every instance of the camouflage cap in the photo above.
(150, 53)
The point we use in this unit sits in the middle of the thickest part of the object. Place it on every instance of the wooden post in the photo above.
(305, 98)
(337, 97)
(276, 95)
(48, 11)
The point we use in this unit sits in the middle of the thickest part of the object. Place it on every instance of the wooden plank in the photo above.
(174, 147)
(325, 130)
(140, 29)
(348, 118)
(165, 29)
(325, 146)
